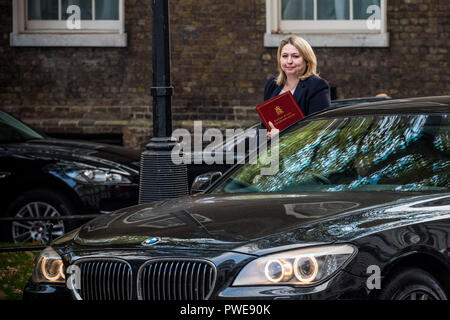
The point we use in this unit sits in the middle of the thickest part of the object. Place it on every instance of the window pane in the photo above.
(333, 10)
(13, 130)
(85, 6)
(42, 9)
(107, 10)
(297, 9)
(364, 153)
(360, 8)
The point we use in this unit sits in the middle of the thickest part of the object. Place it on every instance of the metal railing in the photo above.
(48, 229)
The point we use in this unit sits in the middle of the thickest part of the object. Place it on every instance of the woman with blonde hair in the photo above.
(297, 67)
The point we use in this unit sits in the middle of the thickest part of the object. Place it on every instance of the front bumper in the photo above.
(43, 292)
(342, 287)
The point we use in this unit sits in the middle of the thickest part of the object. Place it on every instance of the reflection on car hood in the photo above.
(81, 150)
(252, 223)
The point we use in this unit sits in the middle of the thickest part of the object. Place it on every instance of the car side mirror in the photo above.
(203, 181)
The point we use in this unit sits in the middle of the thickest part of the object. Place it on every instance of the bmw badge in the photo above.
(151, 241)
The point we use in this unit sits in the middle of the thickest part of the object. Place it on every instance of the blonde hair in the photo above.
(306, 51)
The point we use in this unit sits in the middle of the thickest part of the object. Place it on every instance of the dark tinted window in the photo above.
(371, 153)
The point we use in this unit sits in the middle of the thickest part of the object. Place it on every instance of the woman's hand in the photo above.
(273, 131)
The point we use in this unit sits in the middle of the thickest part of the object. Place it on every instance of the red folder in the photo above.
(281, 110)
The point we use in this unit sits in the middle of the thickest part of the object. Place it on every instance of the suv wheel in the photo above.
(40, 203)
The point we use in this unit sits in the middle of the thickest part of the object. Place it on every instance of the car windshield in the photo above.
(12, 130)
(363, 153)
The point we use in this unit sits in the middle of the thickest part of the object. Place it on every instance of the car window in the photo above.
(365, 153)
(12, 130)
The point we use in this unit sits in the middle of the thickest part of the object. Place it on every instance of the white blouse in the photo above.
(292, 91)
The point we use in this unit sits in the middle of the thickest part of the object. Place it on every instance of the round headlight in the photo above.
(300, 267)
(49, 267)
(306, 268)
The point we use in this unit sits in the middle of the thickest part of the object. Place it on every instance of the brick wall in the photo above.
(415, 64)
(219, 68)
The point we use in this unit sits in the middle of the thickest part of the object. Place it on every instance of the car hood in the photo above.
(248, 223)
(88, 152)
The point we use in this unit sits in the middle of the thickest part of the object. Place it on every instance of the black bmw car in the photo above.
(358, 208)
(44, 177)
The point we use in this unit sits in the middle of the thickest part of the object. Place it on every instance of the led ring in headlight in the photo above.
(306, 268)
(52, 269)
(277, 270)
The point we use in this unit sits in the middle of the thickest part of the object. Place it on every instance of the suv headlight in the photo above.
(99, 176)
(49, 268)
(298, 267)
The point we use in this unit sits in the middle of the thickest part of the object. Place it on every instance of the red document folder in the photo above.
(281, 110)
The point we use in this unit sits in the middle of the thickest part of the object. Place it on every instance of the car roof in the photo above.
(438, 104)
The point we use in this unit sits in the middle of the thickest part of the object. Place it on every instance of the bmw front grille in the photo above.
(104, 279)
(168, 279)
(176, 280)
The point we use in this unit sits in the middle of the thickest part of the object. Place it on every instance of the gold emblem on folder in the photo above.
(278, 110)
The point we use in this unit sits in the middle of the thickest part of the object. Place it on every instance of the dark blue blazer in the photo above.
(312, 94)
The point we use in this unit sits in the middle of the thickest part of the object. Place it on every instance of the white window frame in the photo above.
(54, 33)
(325, 33)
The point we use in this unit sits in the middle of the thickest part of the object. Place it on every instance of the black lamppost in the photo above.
(160, 177)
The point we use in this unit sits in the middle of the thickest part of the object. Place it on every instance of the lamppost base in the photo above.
(161, 178)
